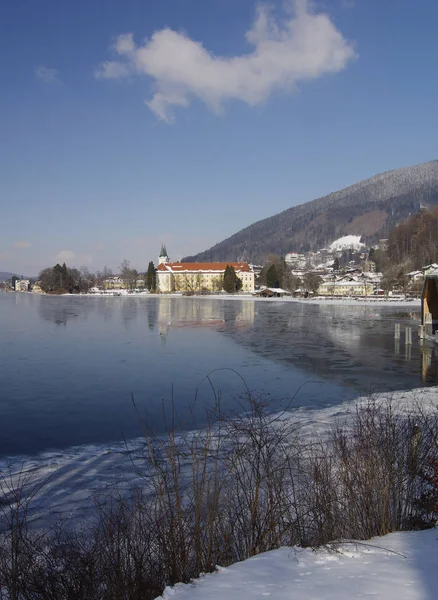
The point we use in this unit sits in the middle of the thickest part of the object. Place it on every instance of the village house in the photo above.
(295, 260)
(37, 289)
(346, 286)
(22, 285)
(199, 277)
(266, 292)
(116, 282)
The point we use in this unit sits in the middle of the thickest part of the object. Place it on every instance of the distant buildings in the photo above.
(346, 286)
(37, 289)
(295, 260)
(199, 277)
(266, 292)
(116, 282)
(22, 285)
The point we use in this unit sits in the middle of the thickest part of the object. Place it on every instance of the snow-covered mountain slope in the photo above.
(347, 242)
(399, 566)
(370, 208)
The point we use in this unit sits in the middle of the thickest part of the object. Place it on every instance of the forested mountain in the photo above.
(414, 242)
(371, 208)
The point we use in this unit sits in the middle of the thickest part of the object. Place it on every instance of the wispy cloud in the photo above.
(298, 46)
(65, 255)
(46, 74)
(6, 256)
(22, 244)
(70, 257)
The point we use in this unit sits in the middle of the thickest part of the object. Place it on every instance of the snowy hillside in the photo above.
(399, 566)
(370, 208)
(347, 242)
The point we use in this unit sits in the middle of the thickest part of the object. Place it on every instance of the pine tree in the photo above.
(272, 280)
(151, 278)
(231, 283)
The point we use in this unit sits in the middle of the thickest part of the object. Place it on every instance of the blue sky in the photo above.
(128, 123)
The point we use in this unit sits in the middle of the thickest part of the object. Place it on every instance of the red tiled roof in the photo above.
(213, 266)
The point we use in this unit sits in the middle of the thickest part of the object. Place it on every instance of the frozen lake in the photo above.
(69, 365)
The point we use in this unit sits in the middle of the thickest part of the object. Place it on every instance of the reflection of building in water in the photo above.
(245, 317)
(196, 312)
(429, 364)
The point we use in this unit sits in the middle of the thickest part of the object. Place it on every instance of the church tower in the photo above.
(163, 258)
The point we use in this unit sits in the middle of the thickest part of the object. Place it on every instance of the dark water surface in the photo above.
(69, 365)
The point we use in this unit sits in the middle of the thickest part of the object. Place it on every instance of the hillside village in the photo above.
(345, 268)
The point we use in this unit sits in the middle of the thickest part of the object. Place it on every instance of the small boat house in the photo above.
(429, 306)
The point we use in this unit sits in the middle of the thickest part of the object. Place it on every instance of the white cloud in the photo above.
(112, 69)
(46, 74)
(300, 46)
(22, 244)
(65, 255)
(74, 260)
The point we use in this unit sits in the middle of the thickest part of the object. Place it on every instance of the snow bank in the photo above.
(399, 566)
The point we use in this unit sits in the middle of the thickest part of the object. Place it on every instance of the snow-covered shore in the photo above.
(398, 566)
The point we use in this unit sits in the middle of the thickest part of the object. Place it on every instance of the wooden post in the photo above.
(397, 331)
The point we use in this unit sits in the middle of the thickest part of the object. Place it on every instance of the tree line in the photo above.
(411, 245)
(61, 279)
(414, 242)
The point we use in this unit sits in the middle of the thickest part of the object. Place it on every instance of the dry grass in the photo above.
(237, 487)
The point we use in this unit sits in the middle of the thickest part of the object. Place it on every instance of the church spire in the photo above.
(163, 258)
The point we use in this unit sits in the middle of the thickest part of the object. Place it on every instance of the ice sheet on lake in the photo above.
(68, 481)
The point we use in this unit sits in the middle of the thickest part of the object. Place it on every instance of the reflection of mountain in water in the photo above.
(353, 346)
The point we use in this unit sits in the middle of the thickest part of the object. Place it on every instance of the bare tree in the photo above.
(129, 276)
(102, 276)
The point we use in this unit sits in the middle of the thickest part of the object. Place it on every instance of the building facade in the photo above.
(346, 287)
(22, 285)
(199, 277)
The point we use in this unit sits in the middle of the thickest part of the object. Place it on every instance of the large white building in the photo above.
(22, 285)
(199, 277)
(346, 286)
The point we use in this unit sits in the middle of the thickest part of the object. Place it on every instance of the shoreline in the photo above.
(71, 477)
(318, 300)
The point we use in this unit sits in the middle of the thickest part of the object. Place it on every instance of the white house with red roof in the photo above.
(198, 277)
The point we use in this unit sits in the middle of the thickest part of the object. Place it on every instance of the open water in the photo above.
(70, 366)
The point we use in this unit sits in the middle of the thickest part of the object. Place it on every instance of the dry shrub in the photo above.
(375, 475)
(232, 489)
